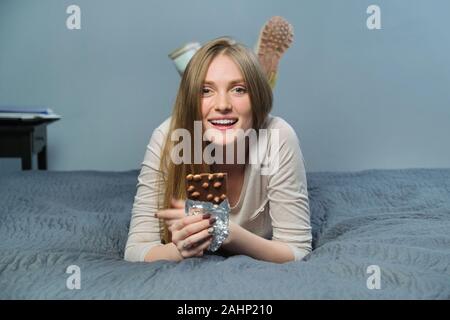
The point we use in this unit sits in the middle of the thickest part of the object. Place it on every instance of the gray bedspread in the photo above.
(397, 220)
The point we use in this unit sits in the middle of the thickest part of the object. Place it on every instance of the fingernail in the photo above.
(212, 220)
(206, 215)
(156, 215)
(211, 230)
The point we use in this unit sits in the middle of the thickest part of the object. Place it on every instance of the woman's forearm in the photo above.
(164, 252)
(240, 241)
(244, 242)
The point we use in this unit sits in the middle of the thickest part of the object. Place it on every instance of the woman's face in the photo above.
(225, 100)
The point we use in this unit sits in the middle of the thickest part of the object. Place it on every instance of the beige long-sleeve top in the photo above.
(273, 202)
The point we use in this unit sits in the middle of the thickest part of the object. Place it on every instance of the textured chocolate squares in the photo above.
(210, 187)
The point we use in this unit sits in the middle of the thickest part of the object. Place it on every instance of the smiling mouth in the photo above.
(223, 123)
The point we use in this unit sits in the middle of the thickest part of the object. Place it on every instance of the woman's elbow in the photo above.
(135, 253)
(129, 255)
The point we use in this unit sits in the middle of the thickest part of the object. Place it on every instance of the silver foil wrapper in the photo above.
(220, 211)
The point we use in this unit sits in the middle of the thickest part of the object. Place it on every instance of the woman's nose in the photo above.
(222, 102)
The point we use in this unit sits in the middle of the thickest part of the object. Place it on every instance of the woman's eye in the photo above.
(206, 91)
(240, 90)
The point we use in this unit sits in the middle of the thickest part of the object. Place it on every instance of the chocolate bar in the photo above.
(210, 187)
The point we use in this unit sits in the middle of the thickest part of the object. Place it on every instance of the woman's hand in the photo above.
(175, 213)
(191, 234)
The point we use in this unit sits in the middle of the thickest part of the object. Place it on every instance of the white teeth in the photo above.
(223, 121)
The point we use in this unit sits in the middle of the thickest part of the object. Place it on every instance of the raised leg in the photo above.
(275, 38)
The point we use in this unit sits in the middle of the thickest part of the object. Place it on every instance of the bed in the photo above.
(396, 221)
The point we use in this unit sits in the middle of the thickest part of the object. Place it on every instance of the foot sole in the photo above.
(275, 38)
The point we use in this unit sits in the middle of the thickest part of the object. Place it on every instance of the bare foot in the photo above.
(275, 38)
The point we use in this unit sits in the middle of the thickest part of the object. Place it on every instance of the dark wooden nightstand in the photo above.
(24, 138)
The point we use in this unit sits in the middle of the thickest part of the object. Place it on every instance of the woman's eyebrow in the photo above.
(231, 82)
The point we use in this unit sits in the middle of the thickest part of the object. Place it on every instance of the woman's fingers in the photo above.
(170, 214)
(176, 212)
(198, 238)
(170, 222)
(190, 225)
(186, 221)
(202, 247)
(197, 251)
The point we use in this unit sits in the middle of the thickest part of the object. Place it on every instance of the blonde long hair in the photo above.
(187, 109)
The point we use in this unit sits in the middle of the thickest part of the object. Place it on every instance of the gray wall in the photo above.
(358, 98)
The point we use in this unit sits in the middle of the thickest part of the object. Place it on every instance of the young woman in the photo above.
(225, 88)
